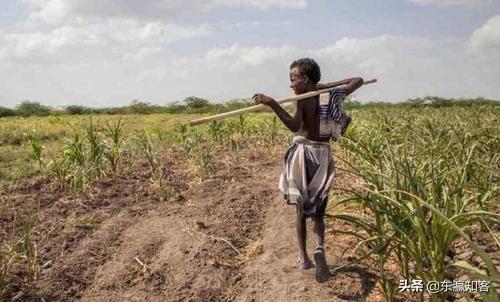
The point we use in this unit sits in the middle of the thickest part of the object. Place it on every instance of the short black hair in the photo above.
(308, 67)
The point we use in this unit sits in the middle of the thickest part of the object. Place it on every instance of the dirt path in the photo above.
(177, 252)
(273, 275)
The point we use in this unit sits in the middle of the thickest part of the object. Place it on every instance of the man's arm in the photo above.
(292, 123)
(349, 85)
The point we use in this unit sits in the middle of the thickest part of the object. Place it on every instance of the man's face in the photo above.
(298, 81)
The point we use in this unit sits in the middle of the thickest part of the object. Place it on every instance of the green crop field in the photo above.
(422, 176)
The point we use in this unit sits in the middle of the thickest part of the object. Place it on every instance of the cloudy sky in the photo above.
(109, 52)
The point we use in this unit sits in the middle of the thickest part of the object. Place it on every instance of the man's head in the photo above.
(304, 75)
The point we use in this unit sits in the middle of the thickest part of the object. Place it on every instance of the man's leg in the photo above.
(304, 260)
(322, 271)
(319, 230)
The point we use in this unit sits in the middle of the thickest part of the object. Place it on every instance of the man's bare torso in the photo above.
(310, 120)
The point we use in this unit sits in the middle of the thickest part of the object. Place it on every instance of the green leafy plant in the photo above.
(114, 131)
(422, 189)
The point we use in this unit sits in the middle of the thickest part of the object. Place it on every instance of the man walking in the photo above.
(308, 169)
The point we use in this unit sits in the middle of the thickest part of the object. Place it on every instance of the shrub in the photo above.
(175, 108)
(6, 112)
(193, 102)
(28, 108)
(77, 109)
(235, 104)
(139, 107)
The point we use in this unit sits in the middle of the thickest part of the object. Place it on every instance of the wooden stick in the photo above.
(260, 106)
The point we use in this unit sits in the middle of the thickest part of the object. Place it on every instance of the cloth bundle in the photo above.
(333, 120)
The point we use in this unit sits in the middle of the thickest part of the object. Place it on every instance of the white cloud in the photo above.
(142, 54)
(53, 11)
(254, 24)
(484, 43)
(467, 3)
(237, 57)
(120, 37)
(263, 4)
(405, 66)
(379, 55)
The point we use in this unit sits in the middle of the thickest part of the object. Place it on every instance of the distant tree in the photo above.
(235, 104)
(6, 112)
(175, 107)
(112, 110)
(28, 108)
(77, 109)
(438, 101)
(138, 107)
(414, 102)
(193, 102)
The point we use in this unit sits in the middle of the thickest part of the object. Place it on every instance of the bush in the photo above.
(236, 104)
(28, 108)
(77, 109)
(195, 103)
(6, 112)
(111, 110)
(138, 107)
(175, 108)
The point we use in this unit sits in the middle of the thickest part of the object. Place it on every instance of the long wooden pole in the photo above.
(299, 97)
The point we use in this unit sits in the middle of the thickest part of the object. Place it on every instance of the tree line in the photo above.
(194, 104)
(191, 104)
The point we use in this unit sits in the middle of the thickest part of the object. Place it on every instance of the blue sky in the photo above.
(109, 52)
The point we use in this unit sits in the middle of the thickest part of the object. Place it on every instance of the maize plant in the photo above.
(242, 124)
(75, 159)
(423, 188)
(181, 131)
(36, 150)
(146, 145)
(96, 148)
(60, 168)
(188, 139)
(272, 130)
(203, 162)
(114, 131)
(73, 150)
(216, 130)
(112, 152)
(30, 251)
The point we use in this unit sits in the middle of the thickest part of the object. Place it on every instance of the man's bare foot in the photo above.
(322, 272)
(304, 263)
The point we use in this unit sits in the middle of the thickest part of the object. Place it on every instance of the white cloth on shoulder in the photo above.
(333, 119)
